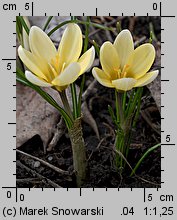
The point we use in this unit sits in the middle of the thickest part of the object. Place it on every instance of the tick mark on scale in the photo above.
(9, 59)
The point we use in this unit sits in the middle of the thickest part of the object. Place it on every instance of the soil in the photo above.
(100, 154)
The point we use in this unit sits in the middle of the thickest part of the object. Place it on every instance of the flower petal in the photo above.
(101, 77)
(147, 78)
(109, 60)
(41, 45)
(141, 60)
(71, 44)
(68, 76)
(124, 84)
(124, 46)
(86, 60)
(36, 80)
(31, 62)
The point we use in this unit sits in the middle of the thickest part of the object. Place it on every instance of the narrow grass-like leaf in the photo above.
(73, 18)
(80, 94)
(152, 32)
(118, 27)
(138, 106)
(97, 49)
(130, 99)
(124, 100)
(99, 26)
(47, 22)
(117, 108)
(74, 100)
(111, 112)
(59, 26)
(86, 40)
(137, 93)
(23, 23)
(150, 38)
(143, 157)
(18, 28)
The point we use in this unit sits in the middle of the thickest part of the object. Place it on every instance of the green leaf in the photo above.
(134, 99)
(111, 112)
(137, 113)
(47, 22)
(99, 26)
(80, 95)
(152, 33)
(118, 118)
(130, 100)
(97, 49)
(23, 23)
(118, 27)
(124, 100)
(86, 40)
(59, 26)
(143, 157)
(18, 28)
(73, 18)
(74, 100)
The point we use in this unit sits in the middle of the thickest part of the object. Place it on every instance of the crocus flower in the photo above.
(124, 67)
(50, 67)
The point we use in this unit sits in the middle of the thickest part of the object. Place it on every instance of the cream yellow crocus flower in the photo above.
(50, 67)
(124, 67)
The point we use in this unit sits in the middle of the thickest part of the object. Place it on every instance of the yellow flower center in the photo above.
(121, 73)
(55, 67)
(55, 63)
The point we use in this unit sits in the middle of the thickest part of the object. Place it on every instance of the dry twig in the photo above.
(34, 173)
(56, 169)
(60, 130)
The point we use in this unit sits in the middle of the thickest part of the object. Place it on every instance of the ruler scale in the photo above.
(66, 203)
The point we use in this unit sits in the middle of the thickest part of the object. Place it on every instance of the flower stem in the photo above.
(120, 106)
(79, 152)
(74, 100)
(77, 142)
(65, 103)
(123, 129)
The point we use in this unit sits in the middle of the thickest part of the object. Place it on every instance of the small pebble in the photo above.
(67, 135)
(37, 164)
(50, 158)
